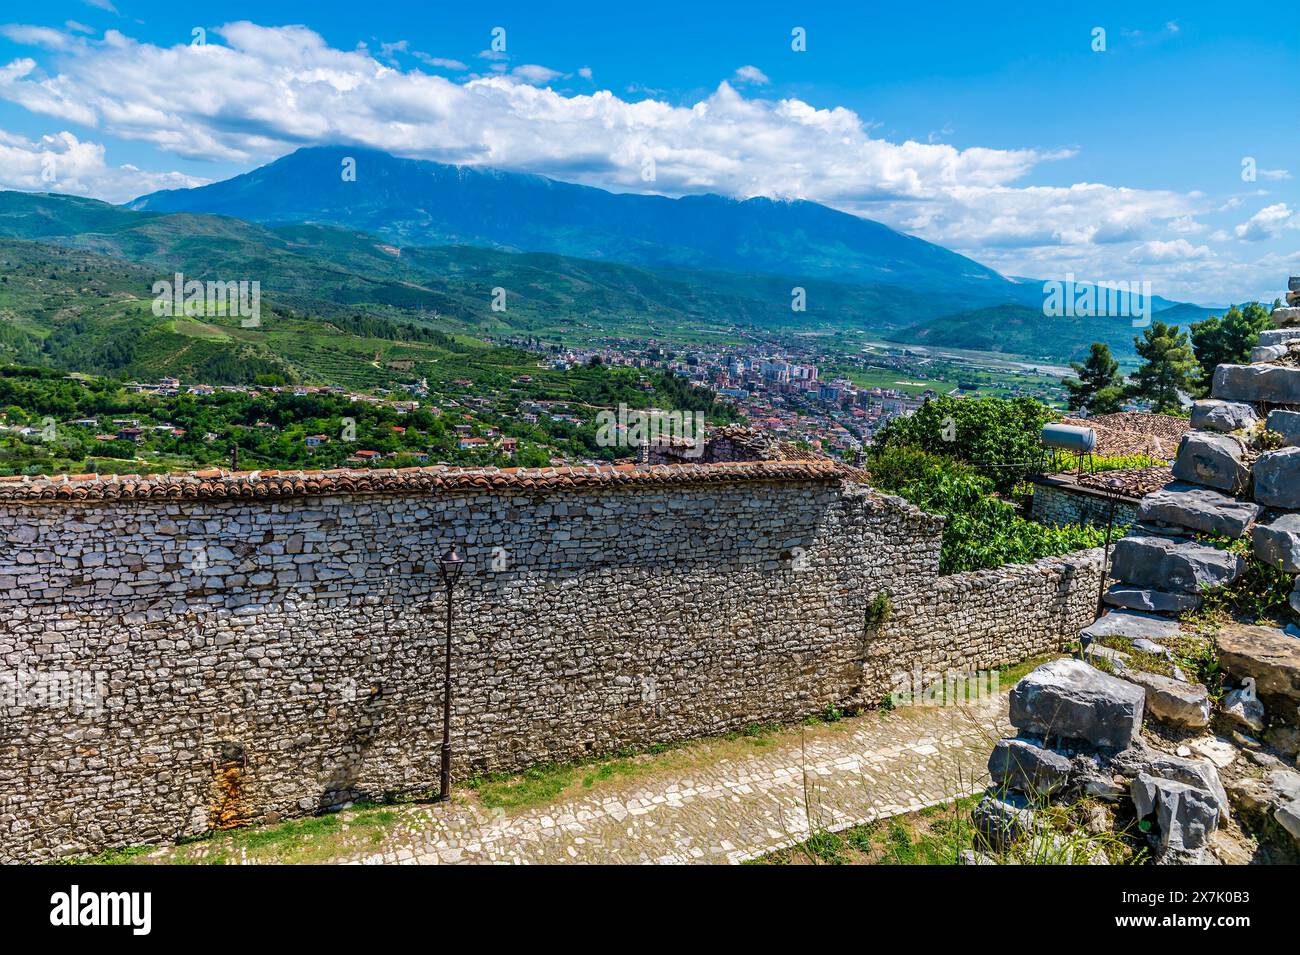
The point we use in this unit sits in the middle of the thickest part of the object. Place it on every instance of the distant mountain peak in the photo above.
(421, 202)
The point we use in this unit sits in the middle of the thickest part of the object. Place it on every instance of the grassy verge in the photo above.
(932, 836)
(367, 828)
(1068, 834)
(315, 839)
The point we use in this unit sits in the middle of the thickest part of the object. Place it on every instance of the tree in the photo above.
(999, 436)
(1167, 366)
(1227, 340)
(1100, 387)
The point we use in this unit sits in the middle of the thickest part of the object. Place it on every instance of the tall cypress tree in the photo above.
(1099, 387)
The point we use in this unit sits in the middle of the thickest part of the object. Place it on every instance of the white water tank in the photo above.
(1068, 437)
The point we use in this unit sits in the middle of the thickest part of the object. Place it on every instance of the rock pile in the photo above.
(1238, 473)
(1078, 736)
(1237, 476)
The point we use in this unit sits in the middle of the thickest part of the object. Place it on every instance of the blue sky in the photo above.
(1003, 135)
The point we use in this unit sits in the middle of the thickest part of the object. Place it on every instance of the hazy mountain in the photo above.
(1022, 330)
(78, 277)
(416, 202)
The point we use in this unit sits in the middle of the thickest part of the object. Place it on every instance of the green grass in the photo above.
(364, 826)
(938, 834)
(932, 836)
(307, 840)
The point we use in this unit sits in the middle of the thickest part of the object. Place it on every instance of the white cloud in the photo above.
(751, 75)
(1186, 225)
(101, 5)
(45, 37)
(1177, 250)
(63, 163)
(584, 72)
(439, 61)
(532, 73)
(265, 91)
(1267, 223)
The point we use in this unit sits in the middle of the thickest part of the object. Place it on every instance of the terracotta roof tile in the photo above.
(212, 483)
(1136, 432)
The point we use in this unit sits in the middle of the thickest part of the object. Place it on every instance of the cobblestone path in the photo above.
(736, 808)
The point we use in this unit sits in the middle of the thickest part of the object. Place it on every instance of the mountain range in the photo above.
(423, 246)
(417, 202)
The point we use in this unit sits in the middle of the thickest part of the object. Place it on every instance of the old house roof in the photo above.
(1136, 432)
(1131, 482)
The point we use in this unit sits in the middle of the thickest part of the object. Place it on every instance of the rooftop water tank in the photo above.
(1068, 437)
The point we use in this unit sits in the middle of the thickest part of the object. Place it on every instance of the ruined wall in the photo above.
(258, 658)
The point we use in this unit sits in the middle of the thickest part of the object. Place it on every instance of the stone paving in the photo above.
(737, 808)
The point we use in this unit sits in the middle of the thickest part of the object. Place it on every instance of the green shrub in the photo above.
(1261, 593)
(999, 436)
(980, 530)
(1093, 464)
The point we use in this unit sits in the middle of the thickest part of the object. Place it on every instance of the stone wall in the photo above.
(275, 649)
(1062, 504)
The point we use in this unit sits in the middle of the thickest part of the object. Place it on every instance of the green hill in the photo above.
(1020, 330)
(309, 267)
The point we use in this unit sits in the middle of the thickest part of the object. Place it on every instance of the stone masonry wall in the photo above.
(260, 659)
(1057, 505)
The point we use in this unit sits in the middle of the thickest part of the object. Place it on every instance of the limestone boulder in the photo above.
(1201, 773)
(1028, 767)
(1223, 416)
(1068, 699)
(1214, 460)
(1186, 816)
(1172, 701)
(1286, 315)
(1265, 654)
(1279, 384)
(1002, 819)
(1199, 509)
(1184, 566)
(1277, 478)
(1287, 424)
(1277, 543)
(1131, 624)
(1242, 707)
(1149, 599)
(1269, 352)
(1294, 599)
(1288, 817)
(1278, 336)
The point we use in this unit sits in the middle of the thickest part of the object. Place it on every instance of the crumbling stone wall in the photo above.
(262, 658)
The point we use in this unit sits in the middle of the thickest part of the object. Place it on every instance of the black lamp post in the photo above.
(449, 566)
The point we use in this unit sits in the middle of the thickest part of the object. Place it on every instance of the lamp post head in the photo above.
(450, 565)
